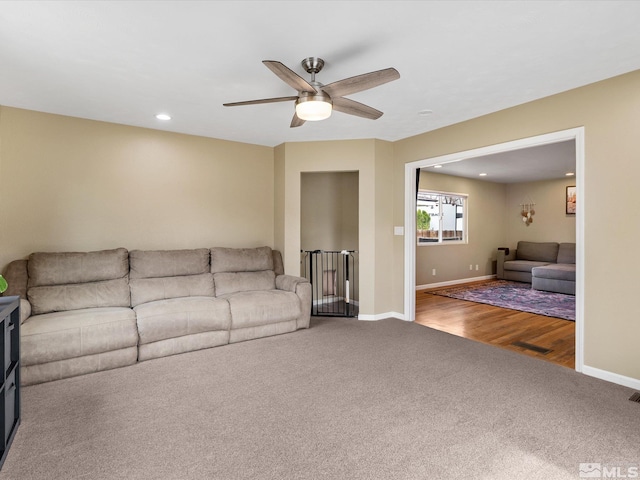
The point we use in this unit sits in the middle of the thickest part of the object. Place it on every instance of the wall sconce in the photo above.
(527, 212)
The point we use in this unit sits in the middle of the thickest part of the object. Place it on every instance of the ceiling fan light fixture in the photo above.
(315, 101)
(313, 108)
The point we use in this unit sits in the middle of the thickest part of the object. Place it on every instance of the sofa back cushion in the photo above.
(77, 280)
(168, 263)
(145, 290)
(17, 277)
(537, 251)
(229, 282)
(242, 269)
(77, 267)
(241, 259)
(567, 253)
(164, 274)
(278, 265)
(77, 296)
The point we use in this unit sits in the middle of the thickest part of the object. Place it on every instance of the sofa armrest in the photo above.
(302, 288)
(25, 310)
(289, 282)
(504, 255)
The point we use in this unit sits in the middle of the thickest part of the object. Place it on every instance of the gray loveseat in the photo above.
(83, 312)
(548, 266)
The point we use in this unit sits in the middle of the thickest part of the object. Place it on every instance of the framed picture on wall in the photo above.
(571, 200)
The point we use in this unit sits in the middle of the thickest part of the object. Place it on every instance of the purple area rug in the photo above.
(516, 296)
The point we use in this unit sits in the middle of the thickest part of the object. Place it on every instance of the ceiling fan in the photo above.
(315, 101)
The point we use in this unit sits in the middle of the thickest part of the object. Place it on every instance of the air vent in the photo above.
(531, 347)
(635, 397)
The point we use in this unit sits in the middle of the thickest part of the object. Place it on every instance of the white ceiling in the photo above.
(125, 61)
(544, 162)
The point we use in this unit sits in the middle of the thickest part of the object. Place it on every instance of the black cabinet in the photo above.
(10, 376)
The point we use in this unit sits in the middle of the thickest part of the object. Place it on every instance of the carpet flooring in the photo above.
(516, 296)
(345, 399)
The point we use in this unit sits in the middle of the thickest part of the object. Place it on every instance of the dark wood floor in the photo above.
(499, 326)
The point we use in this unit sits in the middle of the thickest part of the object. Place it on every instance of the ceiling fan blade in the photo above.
(296, 121)
(352, 107)
(257, 102)
(288, 76)
(361, 82)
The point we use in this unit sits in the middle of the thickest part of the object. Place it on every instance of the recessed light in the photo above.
(483, 174)
(163, 116)
(424, 113)
(437, 166)
(569, 174)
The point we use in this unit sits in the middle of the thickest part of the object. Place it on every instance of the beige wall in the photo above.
(279, 198)
(329, 211)
(609, 112)
(373, 161)
(550, 222)
(384, 235)
(71, 184)
(486, 231)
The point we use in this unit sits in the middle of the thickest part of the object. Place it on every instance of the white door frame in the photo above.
(576, 134)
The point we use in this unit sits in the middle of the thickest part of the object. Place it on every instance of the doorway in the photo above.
(576, 135)
(329, 237)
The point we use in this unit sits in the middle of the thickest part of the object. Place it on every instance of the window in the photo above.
(441, 218)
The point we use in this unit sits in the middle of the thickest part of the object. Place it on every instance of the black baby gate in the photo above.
(333, 280)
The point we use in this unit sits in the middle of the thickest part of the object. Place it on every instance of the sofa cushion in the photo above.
(567, 253)
(60, 298)
(145, 290)
(77, 267)
(251, 309)
(176, 317)
(63, 335)
(559, 271)
(244, 282)
(249, 333)
(241, 259)
(523, 265)
(184, 343)
(537, 251)
(70, 367)
(168, 263)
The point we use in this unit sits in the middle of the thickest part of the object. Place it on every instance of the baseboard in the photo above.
(380, 316)
(455, 282)
(612, 377)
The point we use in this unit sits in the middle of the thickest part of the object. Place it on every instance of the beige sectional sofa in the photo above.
(84, 312)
